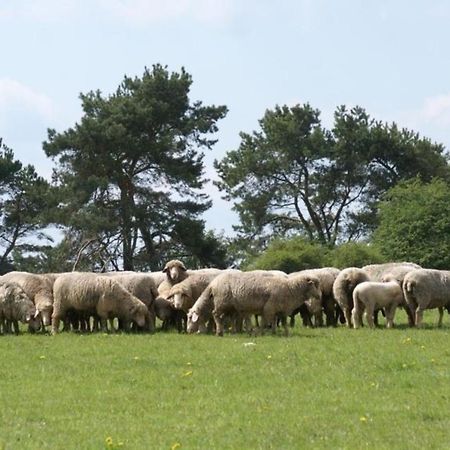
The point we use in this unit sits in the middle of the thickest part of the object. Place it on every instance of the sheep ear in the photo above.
(165, 269)
(27, 318)
(36, 313)
(194, 317)
(182, 267)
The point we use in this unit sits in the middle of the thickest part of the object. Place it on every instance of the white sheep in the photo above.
(38, 288)
(427, 289)
(103, 295)
(183, 295)
(244, 294)
(327, 277)
(343, 286)
(371, 295)
(16, 306)
(142, 286)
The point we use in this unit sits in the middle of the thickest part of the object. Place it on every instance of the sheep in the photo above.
(369, 295)
(326, 276)
(242, 294)
(169, 316)
(427, 289)
(38, 288)
(15, 306)
(143, 287)
(175, 272)
(91, 292)
(377, 271)
(184, 294)
(397, 273)
(343, 286)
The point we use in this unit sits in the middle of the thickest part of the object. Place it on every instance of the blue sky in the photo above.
(391, 57)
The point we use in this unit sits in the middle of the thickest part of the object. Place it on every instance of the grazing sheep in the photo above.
(370, 295)
(243, 294)
(343, 286)
(91, 292)
(142, 286)
(38, 288)
(326, 276)
(427, 289)
(184, 294)
(169, 316)
(16, 306)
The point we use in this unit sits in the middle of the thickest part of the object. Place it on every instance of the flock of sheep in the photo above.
(211, 299)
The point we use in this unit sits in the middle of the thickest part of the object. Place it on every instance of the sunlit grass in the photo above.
(318, 388)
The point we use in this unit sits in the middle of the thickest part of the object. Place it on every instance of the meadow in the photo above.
(317, 388)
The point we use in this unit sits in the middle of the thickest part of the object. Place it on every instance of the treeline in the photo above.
(126, 191)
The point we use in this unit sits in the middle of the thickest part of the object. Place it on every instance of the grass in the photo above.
(318, 388)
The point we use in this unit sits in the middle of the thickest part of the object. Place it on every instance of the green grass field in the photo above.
(318, 388)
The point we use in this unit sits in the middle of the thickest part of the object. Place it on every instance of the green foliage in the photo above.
(415, 224)
(292, 176)
(100, 391)
(25, 199)
(290, 255)
(354, 254)
(131, 171)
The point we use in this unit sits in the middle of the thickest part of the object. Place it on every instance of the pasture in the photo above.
(318, 388)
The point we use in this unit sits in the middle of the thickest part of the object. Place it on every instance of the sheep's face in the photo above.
(45, 313)
(174, 270)
(34, 324)
(178, 300)
(139, 314)
(193, 322)
(314, 301)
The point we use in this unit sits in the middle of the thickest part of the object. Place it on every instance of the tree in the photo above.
(415, 224)
(293, 177)
(354, 254)
(131, 171)
(24, 199)
(290, 255)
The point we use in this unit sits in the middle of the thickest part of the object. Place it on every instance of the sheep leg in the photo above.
(15, 325)
(356, 317)
(410, 314)
(218, 319)
(441, 315)
(56, 318)
(369, 316)
(347, 314)
(390, 313)
(419, 316)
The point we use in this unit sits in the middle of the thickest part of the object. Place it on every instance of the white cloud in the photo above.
(19, 97)
(437, 109)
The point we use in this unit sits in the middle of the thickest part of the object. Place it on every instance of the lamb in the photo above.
(343, 286)
(91, 292)
(427, 289)
(16, 306)
(369, 295)
(39, 290)
(142, 286)
(326, 276)
(248, 293)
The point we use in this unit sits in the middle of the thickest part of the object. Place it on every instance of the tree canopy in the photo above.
(294, 177)
(415, 224)
(131, 172)
(24, 201)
